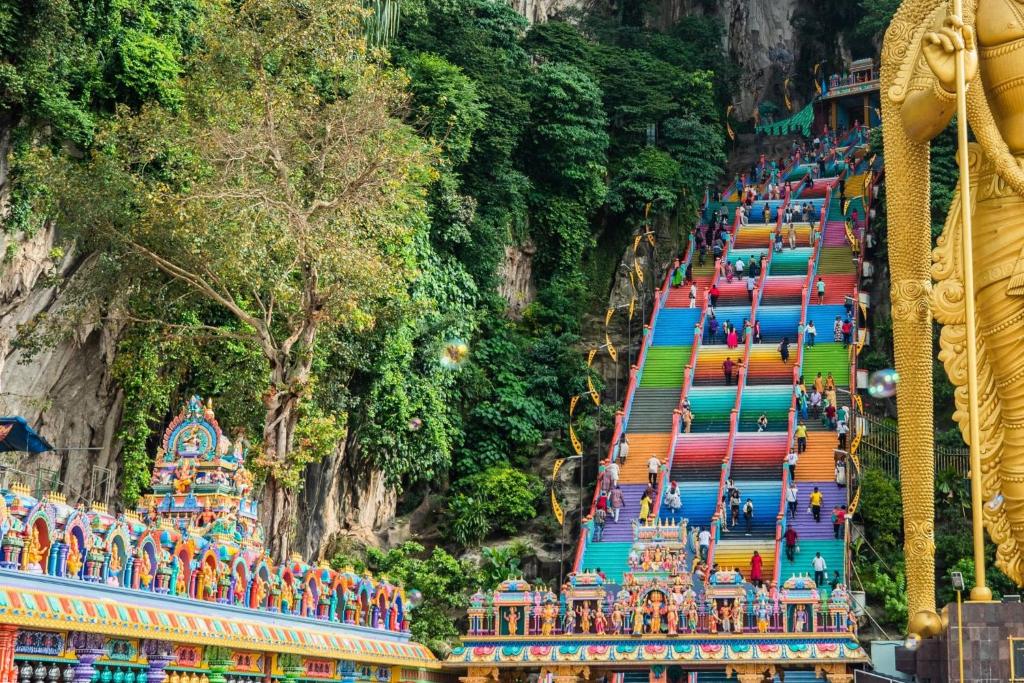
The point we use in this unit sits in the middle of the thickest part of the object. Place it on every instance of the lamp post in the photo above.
(958, 586)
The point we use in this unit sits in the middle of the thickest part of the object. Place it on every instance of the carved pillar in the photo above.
(751, 673)
(566, 674)
(159, 654)
(347, 671)
(88, 648)
(834, 673)
(8, 636)
(479, 674)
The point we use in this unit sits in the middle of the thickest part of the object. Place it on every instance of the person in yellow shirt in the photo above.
(801, 437)
(816, 504)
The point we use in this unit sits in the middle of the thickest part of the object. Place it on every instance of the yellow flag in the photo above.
(572, 404)
(577, 447)
(785, 93)
(558, 466)
(636, 243)
(594, 396)
(611, 349)
(817, 86)
(728, 128)
(636, 269)
(608, 316)
(556, 509)
(632, 307)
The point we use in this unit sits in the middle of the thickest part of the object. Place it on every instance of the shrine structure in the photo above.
(183, 591)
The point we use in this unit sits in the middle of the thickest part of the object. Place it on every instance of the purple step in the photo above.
(623, 531)
(804, 522)
(835, 233)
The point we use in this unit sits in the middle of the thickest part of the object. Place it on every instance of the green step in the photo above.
(835, 261)
(611, 558)
(826, 358)
(664, 366)
(830, 549)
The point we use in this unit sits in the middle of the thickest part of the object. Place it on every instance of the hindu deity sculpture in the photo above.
(617, 618)
(919, 84)
(800, 619)
(585, 614)
(115, 563)
(569, 622)
(74, 563)
(547, 622)
(672, 618)
(600, 622)
(145, 569)
(34, 551)
(638, 618)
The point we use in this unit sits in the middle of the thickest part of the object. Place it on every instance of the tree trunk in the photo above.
(282, 417)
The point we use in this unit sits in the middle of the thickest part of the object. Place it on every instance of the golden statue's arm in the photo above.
(927, 111)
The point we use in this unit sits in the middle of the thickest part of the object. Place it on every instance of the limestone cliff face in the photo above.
(759, 36)
(64, 392)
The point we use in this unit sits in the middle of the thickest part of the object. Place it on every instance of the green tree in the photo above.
(443, 580)
(284, 191)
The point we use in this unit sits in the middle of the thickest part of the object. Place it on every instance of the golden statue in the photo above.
(115, 559)
(260, 591)
(34, 551)
(74, 563)
(145, 570)
(929, 60)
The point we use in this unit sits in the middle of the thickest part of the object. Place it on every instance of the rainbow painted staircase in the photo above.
(679, 361)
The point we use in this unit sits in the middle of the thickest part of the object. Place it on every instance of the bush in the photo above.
(497, 499)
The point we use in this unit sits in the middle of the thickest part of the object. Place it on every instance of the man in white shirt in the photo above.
(653, 465)
(740, 266)
(704, 540)
(791, 459)
(819, 566)
(792, 494)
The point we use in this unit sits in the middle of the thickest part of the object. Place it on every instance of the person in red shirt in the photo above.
(756, 563)
(840, 522)
(713, 296)
(791, 538)
(727, 367)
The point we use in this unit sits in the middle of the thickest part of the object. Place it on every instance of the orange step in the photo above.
(817, 463)
(641, 446)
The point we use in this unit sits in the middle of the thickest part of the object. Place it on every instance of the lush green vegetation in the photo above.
(293, 208)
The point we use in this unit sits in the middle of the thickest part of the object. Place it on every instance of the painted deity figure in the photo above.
(548, 616)
(74, 563)
(654, 608)
(672, 618)
(34, 550)
(726, 618)
(691, 618)
(800, 619)
(585, 615)
(115, 560)
(617, 618)
(638, 618)
(919, 85)
(569, 621)
(512, 619)
(288, 598)
(762, 617)
(600, 622)
(145, 570)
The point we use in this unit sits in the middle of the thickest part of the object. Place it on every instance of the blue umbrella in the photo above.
(16, 435)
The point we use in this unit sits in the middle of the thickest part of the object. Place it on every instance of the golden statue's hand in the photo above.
(940, 48)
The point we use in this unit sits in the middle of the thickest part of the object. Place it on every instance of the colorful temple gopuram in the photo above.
(183, 590)
(703, 589)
